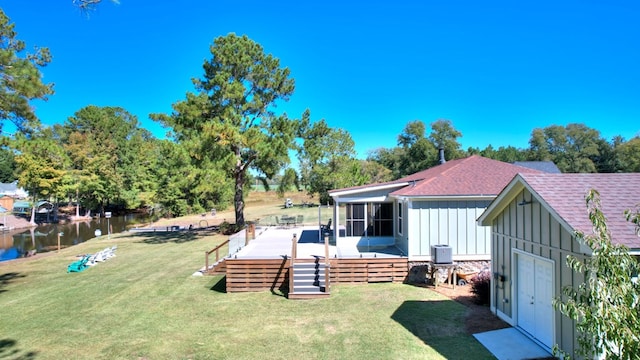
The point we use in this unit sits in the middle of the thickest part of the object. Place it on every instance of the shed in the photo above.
(533, 223)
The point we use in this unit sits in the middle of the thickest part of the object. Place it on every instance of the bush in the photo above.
(227, 228)
(481, 287)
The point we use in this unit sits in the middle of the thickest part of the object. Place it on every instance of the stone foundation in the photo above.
(418, 270)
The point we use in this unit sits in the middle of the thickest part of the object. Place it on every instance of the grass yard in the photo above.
(145, 304)
(264, 206)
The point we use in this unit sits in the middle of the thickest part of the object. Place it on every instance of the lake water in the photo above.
(43, 238)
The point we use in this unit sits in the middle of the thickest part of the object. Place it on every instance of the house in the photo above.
(437, 206)
(6, 201)
(22, 207)
(533, 223)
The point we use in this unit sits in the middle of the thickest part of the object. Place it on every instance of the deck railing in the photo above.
(217, 251)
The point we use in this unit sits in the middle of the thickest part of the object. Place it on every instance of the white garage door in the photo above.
(534, 296)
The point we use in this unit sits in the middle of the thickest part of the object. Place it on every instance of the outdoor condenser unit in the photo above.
(441, 254)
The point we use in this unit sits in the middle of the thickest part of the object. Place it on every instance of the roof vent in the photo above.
(441, 156)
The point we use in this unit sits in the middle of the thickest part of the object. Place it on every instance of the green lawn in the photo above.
(145, 304)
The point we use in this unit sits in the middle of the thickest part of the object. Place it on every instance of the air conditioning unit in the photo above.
(441, 254)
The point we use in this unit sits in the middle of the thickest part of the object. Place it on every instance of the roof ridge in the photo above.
(458, 162)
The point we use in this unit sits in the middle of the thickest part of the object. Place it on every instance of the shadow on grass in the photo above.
(7, 278)
(440, 324)
(283, 271)
(177, 237)
(220, 286)
(9, 350)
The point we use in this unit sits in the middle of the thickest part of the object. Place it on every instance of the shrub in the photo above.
(228, 228)
(481, 287)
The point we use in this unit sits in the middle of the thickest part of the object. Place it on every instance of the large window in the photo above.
(355, 220)
(382, 220)
(369, 219)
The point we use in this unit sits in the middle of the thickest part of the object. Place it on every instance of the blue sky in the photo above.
(496, 69)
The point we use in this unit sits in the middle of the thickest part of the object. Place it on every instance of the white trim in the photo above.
(471, 257)
(502, 316)
(514, 290)
(339, 193)
(444, 197)
(400, 217)
(369, 199)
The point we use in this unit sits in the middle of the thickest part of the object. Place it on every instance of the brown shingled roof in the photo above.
(565, 193)
(471, 176)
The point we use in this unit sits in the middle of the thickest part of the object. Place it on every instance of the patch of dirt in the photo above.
(479, 317)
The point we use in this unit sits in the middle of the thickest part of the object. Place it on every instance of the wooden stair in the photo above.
(309, 281)
(219, 268)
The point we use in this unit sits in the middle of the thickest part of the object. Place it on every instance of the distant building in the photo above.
(21, 207)
(546, 166)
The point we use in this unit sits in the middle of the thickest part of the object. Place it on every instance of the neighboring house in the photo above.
(533, 222)
(6, 201)
(437, 206)
(22, 207)
(12, 190)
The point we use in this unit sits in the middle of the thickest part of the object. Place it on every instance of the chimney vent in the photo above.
(441, 155)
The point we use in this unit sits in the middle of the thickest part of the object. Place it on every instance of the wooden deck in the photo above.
(244, 275)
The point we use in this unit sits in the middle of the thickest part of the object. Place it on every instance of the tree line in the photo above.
(226, 135)
(574, 148)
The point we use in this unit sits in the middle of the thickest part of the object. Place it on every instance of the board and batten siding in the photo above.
(532, 229)
(448, 222)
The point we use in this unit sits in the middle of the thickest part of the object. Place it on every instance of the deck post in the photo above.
(294, 250)
(326, 264)
(294, 247)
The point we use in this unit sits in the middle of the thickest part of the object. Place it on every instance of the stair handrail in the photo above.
(217, 250)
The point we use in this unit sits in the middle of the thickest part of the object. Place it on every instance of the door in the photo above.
(534, 297)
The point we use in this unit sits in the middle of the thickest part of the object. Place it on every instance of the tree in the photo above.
(20, 78)
(288, 180)
(416, 152)
(628, 154)
(41, 162)
(444, 136)
(184, 185)
(327, 158)
(572, 148)
(109, 156)
(389, 158)
(508, 154)
(7, 165)
(89, 5)
(604, 307)
(375, 172)
(231, 121)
